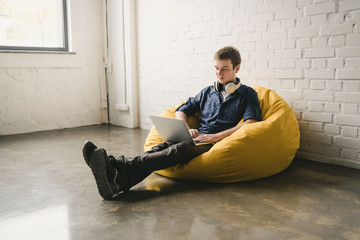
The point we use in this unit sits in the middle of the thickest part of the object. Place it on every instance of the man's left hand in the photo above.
(208, 138)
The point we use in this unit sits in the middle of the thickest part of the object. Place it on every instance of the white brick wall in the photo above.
(308, 51)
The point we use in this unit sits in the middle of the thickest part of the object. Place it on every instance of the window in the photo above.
(39, 25)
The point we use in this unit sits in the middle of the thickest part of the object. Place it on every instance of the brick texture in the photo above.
(307, 51)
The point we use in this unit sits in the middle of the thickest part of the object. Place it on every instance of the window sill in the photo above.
(36, 52)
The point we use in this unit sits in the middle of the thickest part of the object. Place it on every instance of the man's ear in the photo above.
(237, 68)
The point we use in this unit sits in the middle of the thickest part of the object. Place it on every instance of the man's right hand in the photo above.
(194, 132)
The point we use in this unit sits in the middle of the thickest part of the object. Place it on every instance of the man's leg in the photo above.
(129, 176)
(107, 178)
(164, 155)
(161, 158)
(126, 172)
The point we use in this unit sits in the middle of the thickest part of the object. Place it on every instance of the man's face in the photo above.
(225, 71)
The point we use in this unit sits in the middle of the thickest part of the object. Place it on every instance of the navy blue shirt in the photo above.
(218, 115)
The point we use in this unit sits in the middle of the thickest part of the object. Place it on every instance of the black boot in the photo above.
(109, 182)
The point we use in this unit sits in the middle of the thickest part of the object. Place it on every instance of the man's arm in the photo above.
(220, 135)
(181, 115)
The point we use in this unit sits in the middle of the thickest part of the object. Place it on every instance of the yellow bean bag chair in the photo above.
(254, 151)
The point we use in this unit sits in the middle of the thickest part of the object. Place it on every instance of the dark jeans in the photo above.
(167, 154)
(161, 156)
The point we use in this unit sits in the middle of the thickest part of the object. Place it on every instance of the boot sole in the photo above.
(99, 164)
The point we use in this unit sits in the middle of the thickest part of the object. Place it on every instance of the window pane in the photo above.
(32, 23)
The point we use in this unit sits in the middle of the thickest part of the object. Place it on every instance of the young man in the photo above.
(221, 108)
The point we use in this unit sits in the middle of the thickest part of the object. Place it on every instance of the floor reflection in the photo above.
(48, 223)
(48, 192)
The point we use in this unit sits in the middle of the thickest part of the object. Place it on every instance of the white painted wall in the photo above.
(308, 51)
(121, 62)
(51, 91)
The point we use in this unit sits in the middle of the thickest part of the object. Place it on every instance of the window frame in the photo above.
(65, 30)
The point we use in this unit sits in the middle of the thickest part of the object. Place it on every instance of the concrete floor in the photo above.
(48, 192)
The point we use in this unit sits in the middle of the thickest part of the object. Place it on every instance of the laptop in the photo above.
(173, 130)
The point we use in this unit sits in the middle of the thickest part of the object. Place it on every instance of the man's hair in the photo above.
(229, 53)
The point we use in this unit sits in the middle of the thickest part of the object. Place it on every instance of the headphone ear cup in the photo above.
(230, 87)
(217, 86)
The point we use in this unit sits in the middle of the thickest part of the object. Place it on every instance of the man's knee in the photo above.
(161, 146)
(186, 151)
(184, 146)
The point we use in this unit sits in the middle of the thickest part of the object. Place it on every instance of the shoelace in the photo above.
(115, 180)
(120, 179)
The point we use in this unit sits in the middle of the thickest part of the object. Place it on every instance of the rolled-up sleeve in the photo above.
(252, 110)
(192, 105)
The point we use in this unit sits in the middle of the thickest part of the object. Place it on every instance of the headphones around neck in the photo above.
(229, 87)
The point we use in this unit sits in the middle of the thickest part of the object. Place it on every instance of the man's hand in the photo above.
(182, 116)
(220, 135)
(194, 132)
(205, 138)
